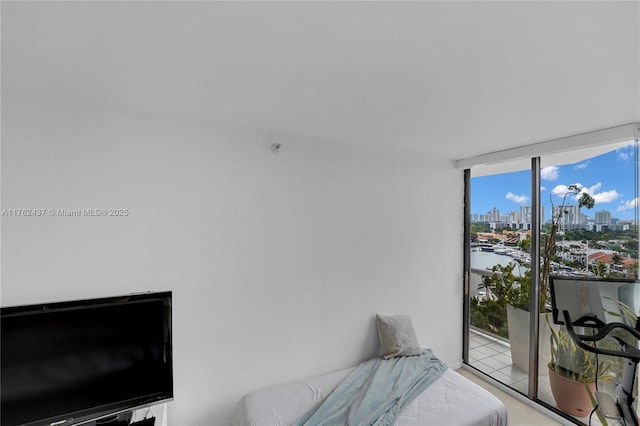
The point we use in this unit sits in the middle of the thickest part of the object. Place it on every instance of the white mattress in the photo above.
(451, 400)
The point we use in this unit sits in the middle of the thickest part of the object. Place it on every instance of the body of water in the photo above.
(486, 260)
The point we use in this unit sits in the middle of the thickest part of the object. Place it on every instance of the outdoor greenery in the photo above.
(490, 316)
(501, 288)
(570, 361)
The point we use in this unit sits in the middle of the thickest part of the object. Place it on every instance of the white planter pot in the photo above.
(518, 323)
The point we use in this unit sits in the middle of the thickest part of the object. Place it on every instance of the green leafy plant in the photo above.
(628, 316)
(501, 288)
(505, 287)
(490, 316)
(572, 362)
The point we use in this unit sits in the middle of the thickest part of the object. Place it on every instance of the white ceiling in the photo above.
(456, 79)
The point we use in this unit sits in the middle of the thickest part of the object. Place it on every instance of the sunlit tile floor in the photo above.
(493, 357)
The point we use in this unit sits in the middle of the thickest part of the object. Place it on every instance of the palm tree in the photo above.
(616, 259)
(600, 269)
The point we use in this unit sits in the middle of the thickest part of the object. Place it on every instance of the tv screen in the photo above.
(70, 362)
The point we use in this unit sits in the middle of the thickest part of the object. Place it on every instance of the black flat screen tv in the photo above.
(72, 362)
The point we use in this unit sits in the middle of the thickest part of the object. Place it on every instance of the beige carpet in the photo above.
(520, 413)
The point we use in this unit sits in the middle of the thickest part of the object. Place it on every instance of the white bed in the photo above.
(450, 400)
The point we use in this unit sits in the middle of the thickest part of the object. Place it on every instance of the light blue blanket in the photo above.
(376, 391)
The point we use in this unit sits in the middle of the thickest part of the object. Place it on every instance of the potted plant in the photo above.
(569, 365)
(503, 288)
(573, 373)
(512, 294)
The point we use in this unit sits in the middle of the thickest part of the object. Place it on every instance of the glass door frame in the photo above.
(534, 323)
(534, 319)
(630, 132)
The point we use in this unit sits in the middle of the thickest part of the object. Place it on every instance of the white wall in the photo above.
(278, 263)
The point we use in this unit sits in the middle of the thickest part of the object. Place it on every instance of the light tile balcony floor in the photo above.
(493, 357)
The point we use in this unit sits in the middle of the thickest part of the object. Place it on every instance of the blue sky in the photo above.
(609, 178)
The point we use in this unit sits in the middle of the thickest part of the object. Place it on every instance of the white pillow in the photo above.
(397, 336)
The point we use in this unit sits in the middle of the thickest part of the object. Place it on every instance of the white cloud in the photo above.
(549, 173)
(606, 197)
(592, 189)
(599, 197)
(625, 152)
(582, 166)
(627, 205)
(560, 190)
(520, 199)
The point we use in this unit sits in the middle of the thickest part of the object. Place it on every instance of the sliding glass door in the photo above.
(590, 199)
(573, 214)
(500, 242)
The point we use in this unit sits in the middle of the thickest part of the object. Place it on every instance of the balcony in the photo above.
(493, 357)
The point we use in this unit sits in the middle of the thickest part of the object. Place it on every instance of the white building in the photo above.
(603, 217)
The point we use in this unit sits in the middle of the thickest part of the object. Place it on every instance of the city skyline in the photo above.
(609, 178)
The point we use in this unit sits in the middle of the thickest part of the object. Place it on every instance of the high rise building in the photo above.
(570, 214)
(526, 214)
(494, 215)
(603, 217)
